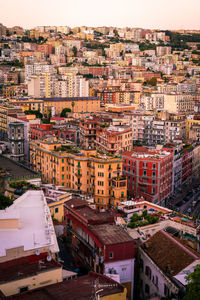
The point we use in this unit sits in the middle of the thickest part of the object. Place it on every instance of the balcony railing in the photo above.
(80, 238)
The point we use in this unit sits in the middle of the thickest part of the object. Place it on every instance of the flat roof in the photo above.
(35, 227)
(69, 99)
(110, 234)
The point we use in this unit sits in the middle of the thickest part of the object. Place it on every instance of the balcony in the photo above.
(69, 228)
(78, 174)
(78, 183)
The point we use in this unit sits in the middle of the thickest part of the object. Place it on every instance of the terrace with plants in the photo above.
(142, 220)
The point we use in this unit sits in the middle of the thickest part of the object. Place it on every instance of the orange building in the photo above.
(88, 171)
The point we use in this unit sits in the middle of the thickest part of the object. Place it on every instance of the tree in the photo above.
(64, 111)
(153, 81)
(5, 201)
(74, 49)
(193, 287)
(73, 104)
(34, 112)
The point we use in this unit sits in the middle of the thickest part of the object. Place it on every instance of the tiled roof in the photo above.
(168, 253)
(25, 267)
(81, 288)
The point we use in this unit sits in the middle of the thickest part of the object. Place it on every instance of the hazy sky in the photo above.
(164, 14)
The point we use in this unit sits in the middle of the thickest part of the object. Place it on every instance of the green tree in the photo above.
(34, 112)
(153, 81)
(74, 49)
(193, 287)
(73, 104)
(64, 111)
(5, 201)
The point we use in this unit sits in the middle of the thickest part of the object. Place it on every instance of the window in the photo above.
(166, 291)
(111, 255)
(148, 272)
(56, 210)
(141, 265)
(62, 169)
(144, 165)
(62, 176)
(153, 181)
(23, 289)
(156, 281)
(145, 173)
(62, 160)
(154, 174)
(154, 166)
(147, 290)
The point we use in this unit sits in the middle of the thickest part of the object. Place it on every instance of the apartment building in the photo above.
(114, 139)
(28, 242)
(41, 86)
(164, 264)
(88, 128)
(5, 111)
(105, 247)
(82, 170)
(37, 69)
(179, 103)
(161, 51)
(78, 105)
(65, 132)
(16, 136)
(117, 97)
(148, 173)
(28, 104)
(71, 86)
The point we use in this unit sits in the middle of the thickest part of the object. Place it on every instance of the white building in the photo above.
(163, 261)
(26, 227)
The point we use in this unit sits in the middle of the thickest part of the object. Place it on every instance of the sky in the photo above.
(158, 14)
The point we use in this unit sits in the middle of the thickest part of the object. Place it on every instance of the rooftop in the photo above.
(81, 288)
(144, 152)
(168, 253)
(33, 227)
(110, 234)
(87, 214)
(25, 267)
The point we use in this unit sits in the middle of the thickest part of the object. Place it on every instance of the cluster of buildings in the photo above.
(99, 129)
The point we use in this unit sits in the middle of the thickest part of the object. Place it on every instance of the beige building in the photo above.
(179, 103)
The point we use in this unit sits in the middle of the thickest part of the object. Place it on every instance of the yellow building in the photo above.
(4, 112)
(30, 104)
(27, 279)
(76, 104)
(56, 205)
(82, 170)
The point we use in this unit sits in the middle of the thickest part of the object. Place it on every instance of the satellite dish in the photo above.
(37, 252)
(49, 258)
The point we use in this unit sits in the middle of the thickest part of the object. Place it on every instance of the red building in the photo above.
(99, 71)
(148, 173)
(46, 49)
(98, 242)
(39, 131)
